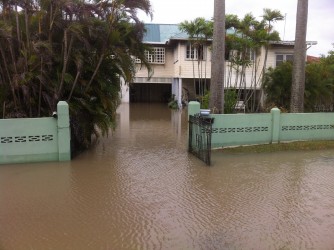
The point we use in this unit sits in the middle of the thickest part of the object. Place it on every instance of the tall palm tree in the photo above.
(199, 31)
(208, 33)
(269, 16)
(191, 29)
(216, 102)
(298, 75)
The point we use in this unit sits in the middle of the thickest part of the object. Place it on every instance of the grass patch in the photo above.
(286, 146)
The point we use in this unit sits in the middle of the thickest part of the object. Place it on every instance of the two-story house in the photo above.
(182, 70)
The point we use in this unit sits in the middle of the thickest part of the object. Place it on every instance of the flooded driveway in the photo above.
(139, 189)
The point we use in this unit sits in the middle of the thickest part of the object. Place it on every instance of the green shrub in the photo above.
(230, 99)
(205, 100)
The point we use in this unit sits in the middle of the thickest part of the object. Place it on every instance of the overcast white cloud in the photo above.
(320, 20)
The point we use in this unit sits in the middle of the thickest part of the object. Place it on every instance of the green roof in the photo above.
(161, 33)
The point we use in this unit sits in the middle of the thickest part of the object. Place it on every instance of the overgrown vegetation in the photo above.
(319, 85)
(72, 50)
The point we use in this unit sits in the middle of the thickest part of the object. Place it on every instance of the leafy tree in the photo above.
(277, 85)
(72, 50)
(242, 49)
(319, 85)
(269, 16)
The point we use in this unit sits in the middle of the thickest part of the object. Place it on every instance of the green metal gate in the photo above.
(200, 130)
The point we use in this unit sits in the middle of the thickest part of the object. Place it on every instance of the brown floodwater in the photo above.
(140, 189)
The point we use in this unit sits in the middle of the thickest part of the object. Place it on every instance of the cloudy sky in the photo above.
(320, 20)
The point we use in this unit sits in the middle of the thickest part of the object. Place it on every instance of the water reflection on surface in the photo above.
(139, 189)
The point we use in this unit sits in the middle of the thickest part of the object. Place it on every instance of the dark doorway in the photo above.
(150, 92)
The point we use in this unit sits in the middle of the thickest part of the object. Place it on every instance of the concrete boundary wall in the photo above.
(264, 128)
(24, 140)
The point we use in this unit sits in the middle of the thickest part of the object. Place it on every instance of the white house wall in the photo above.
(178, 67)
(251, 76)
(277, 50)
(250, 71)
(159, 70)
(186, 67)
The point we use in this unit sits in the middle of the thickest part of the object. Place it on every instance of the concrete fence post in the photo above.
(276, 116)
(64, 136)
(193, 108)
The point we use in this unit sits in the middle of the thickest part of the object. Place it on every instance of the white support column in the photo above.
(177, 90)
(179, 99)
(174, 87)
(124, 122)
(125, 92)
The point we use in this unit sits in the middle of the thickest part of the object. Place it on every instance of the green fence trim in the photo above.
(264, 128)
(276, 115)
(64, 136)
(24, 140)
(313, 126)
(193, 108)
(241, 129)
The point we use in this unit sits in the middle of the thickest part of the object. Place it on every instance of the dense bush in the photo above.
(72, 50)
(319, 84)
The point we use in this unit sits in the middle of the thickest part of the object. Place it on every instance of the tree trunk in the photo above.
(218, 58)
(298, 71)
(67, 52)
(74, 85)
(17, 26)
(95, 71)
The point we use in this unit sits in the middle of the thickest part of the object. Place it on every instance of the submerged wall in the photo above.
(273, 127)
(24, 140)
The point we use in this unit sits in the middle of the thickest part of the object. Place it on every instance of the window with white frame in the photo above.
(156, 55)
(195, 52)
(280, 58)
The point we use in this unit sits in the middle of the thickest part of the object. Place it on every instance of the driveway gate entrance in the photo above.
(200, 129)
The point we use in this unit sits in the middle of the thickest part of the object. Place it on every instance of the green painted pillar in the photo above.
(193, 108)
(276, 116)
(64, 136)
